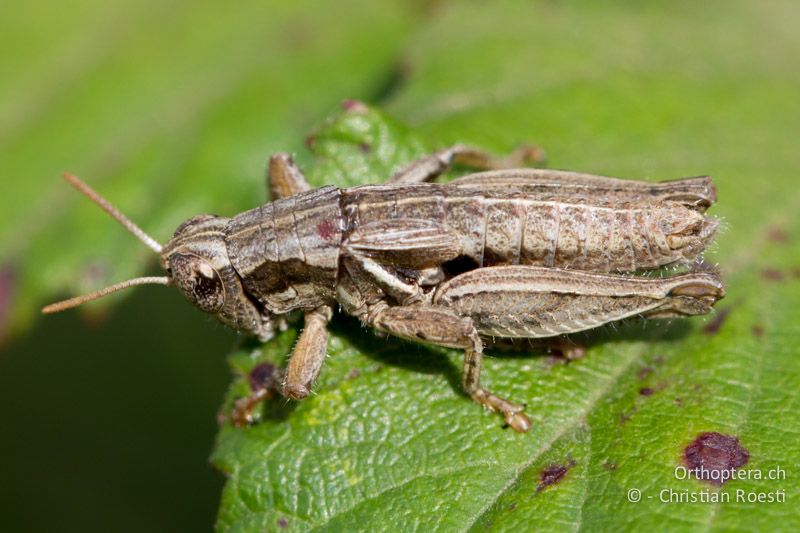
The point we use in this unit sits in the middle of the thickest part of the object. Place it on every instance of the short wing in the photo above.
(698, 192)
(405, 243)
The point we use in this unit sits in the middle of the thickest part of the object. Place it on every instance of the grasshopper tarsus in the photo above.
(244, 408)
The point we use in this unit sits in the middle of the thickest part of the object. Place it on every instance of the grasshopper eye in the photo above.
(199, 282)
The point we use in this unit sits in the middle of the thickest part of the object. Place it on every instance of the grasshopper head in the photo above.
(196, 262)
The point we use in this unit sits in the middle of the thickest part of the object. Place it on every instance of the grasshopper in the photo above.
(505, 252)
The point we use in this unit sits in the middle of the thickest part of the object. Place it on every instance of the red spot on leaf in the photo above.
(552, 474)
(712, 454)
(262, 376)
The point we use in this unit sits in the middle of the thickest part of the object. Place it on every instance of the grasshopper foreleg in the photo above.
(443, 327)
(434, 165)
(308, 354)
(304, 366)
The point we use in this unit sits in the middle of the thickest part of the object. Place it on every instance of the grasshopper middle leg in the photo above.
(443, 327)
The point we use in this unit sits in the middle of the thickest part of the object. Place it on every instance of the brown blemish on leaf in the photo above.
(311, 141)
(643, 373)
(772, 274)
(796, 272)
(679, 402)
(608, 465)
(778, 235)
(552, 474)
(261, 376)
(758, 331)
(353, 374)
(365, 148)
(713, 327)
(283, 523)
(711, 453)
(646, 391)
(512, 506)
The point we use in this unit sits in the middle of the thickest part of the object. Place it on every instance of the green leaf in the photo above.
(170, 110)
(388, 441)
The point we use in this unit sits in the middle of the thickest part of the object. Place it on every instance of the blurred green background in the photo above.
(170, 109)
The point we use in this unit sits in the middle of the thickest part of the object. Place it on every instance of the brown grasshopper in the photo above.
(517, 253)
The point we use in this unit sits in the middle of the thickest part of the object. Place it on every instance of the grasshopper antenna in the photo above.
(78, 300)
(106, 206)
(151, 243)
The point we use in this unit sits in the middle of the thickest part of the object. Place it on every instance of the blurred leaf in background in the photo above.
(171, 110)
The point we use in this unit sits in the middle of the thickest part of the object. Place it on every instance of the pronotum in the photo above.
(516, 253)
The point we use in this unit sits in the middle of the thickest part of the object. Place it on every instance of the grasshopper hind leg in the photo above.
(430, 167)
(442, 327)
